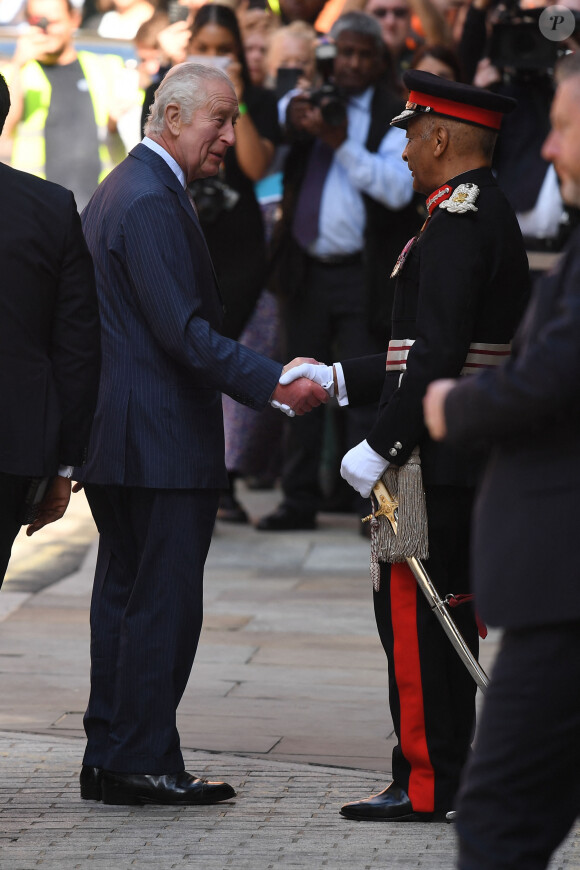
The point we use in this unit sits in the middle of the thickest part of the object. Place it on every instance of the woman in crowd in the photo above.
(440, 60)
(231, 217)
(257, 26)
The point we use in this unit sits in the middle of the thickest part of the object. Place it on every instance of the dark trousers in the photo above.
(326, 319)
(146, 615)
(13, 490)
(521, 790)
(431, 693)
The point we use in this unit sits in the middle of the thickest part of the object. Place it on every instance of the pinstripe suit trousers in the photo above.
(146, 615)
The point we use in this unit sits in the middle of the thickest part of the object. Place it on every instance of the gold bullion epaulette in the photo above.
(462, 200)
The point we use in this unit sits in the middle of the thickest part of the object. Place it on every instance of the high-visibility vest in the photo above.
(29, 150)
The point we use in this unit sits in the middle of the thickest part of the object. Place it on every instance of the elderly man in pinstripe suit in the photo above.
(156, 457)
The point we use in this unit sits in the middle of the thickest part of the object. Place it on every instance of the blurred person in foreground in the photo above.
(524, 561)
(460, 287)
(49, 345)
(156, 456)
(65, 103)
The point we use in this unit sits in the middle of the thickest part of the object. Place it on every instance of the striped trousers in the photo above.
(431, 693)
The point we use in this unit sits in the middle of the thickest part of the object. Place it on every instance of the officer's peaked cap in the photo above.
(430, 94)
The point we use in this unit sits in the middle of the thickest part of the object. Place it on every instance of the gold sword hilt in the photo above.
(387, 505)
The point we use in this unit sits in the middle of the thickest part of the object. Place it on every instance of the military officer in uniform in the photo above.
(461, 285)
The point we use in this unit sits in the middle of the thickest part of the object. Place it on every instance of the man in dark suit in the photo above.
(49, 343)
(156, 459)
(460, 287)
(521, 790)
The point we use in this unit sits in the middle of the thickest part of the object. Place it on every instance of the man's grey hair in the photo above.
(186, 84)
(361, 23)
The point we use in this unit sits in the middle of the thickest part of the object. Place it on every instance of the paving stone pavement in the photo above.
(287, 702)
(283, 816)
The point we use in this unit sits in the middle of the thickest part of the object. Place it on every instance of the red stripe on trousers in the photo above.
(413, 738)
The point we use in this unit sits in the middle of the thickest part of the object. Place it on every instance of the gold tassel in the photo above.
(412, 539)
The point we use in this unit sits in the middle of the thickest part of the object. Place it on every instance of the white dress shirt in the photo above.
(355, 171)
(173, 164)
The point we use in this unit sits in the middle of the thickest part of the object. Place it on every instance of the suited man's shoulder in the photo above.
(146, 163)
(17, 182)
(141, 174)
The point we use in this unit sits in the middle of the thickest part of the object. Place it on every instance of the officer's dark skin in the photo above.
(438, 150)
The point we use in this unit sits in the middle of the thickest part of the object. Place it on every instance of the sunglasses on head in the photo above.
(397, 11)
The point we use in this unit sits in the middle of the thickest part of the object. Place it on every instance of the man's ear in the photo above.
(173, 118)
(441, 136)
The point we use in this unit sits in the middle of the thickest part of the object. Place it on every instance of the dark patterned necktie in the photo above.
(192, 201)
(305, 224)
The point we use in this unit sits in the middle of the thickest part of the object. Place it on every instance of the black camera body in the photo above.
(517, 43)
(327, 97)
(212, 197)
(331, 103)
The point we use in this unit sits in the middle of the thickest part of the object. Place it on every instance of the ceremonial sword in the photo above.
(387, 507)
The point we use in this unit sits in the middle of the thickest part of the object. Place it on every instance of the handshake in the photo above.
(304, 384)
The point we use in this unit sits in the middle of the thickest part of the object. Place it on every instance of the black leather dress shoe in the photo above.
(128, 789)
(230, 510)
(390, 805)
(90, 780)
(286, 519)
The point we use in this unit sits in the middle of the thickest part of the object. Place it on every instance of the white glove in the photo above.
(320, 374)
(286, 409)
(361, 467)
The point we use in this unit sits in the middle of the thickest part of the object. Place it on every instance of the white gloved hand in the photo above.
(361, 467)
(320, 374)
(286, 409)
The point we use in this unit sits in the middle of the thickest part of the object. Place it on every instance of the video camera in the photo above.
(517, 43)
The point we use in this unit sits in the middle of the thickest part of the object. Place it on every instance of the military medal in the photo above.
(403, 256)
(411, 243)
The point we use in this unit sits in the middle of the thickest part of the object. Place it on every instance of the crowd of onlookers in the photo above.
(77, 111)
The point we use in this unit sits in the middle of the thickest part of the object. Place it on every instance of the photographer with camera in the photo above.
(345, 217)
(504, 50)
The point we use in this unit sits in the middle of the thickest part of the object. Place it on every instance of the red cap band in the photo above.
(461, 111)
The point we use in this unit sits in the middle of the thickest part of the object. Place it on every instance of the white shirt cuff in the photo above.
(341, 394)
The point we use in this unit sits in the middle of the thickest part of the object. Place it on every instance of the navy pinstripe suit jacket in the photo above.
(159, 415)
